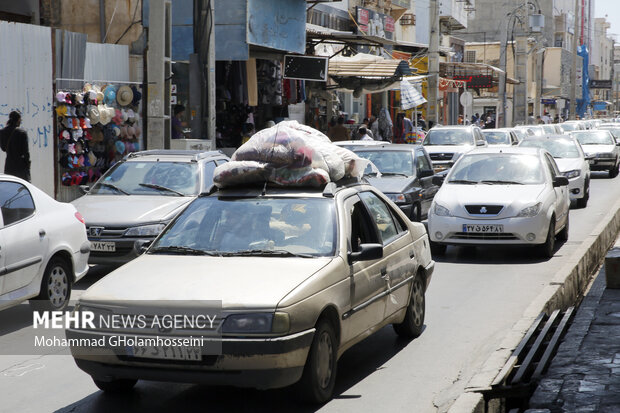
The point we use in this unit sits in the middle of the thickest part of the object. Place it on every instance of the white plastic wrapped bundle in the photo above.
(289, 154)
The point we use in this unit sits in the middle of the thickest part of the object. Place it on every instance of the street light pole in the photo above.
(433, 63)
(573, 85)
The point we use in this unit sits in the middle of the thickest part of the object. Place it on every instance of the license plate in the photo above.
(166, 352)
(102, 246)
(479, 228)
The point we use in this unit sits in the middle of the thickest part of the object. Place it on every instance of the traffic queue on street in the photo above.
(300, 267)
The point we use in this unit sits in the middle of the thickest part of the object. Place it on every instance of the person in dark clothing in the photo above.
(177, 122)
(14, 141)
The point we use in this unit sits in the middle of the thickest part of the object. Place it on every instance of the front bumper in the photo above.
(602, 164)
(576, 187)
(245, 362)
(124, 251)
(515, 230)
(439, 166)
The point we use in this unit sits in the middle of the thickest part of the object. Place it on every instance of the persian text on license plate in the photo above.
(481, 228)
(102, 246)
(166, 352)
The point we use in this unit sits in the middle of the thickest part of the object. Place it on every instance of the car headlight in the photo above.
(530, 211)
(256, 323)
(572, 174)
(151, 230)
(605, 155)
(442, 211)
(397, 198)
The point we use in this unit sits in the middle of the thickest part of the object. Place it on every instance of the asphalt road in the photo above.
(475, 297)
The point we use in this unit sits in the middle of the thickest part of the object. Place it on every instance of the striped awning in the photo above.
(368, 67)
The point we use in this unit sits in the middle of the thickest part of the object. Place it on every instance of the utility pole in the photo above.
(204, 35)
(433, 63)
(573, 85)
(501, 90)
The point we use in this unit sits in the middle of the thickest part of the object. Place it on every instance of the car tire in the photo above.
(55, 287)
(583, 201)
(613, 172)
(319, 377)
(547, 249)
(115, 386)
(415, 214)
(563, 235)
(438, 249)
(413, 324)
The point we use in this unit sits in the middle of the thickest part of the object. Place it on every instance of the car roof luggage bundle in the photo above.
(289, 154)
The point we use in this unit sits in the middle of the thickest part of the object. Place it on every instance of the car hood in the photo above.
(594, 149)
(392, 184)
(513, 197)
(128, 209)
(448, 148)
(239, 282)
(569, 164)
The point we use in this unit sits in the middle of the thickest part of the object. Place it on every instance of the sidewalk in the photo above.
(584, 376)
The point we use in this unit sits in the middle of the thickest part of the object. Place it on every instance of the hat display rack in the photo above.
(96, 127)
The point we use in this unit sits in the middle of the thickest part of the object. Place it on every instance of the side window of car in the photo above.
(381, 215)
(363, 230)
(422, 161)
(15, 202)
(552, 166)
(209, 167)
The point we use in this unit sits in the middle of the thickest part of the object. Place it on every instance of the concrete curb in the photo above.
(568, 283)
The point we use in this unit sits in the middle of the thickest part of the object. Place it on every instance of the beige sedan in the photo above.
(289, 278)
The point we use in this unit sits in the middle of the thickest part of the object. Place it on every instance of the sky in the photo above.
(611, 8)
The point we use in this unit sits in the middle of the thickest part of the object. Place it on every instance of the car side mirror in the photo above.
(84, 189)
(426, 172)
(140, 246)
(481, 143)
(515, 143)
(588, 157)
(617, 143)
(438, 180)
(560, 181)
(367, 252)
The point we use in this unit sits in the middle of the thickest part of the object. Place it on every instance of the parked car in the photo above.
(351, 145)
(614, 128)
(501, 196)
(406, 176)
(552, 129)
(500, 137)
(531, 130)
(135, 199)
(302, 275)
(520, 133)
(602, 149)
(43, 245)
(446, 144)
(572, 125)
(571, 161)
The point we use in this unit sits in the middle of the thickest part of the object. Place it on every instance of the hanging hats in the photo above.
(109, 95)
(124, 96)
(99, 94)
(116, 130)
(124, 115)
(120, 147)
(118, 117)
(104, 115)
(138, 130)
(79, 98)
(124, 131)
(61, 110)
(137, 96)
(87, 87)
(60, 97)
(130, 115)
(131, 132)
(65, 134)
(97, 135)
(93, 114)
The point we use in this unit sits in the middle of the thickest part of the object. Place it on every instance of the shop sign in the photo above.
(305, 68)
(599, 106)
(376, 24)
(600, 84)
(476, 81)
(547, 101)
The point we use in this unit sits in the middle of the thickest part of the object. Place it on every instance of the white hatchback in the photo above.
(43, 244)
(501, 196)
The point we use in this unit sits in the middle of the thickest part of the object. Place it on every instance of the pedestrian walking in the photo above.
(339, 132)
(363, 134)
(14, 141)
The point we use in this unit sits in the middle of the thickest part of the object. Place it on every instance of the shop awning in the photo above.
(368, 66)
(448, 69)
(317, 34)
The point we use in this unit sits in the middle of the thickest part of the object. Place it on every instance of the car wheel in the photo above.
(563, 235)
(415, 215)
(413, 324)
(613, 172)
(319, 376)
(583, 201)
(115, 386)
(438, 249)
(55, 287)
(547, 249)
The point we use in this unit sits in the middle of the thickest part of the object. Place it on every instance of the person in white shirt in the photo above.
(363, 134)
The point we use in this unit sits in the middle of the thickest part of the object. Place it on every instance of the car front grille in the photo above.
(96, 231)
(507, 236)
(484, 209)
(441, 156)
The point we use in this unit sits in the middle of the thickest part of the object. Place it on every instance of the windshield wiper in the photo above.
(258, 252)
(177, 249)
(162, 188)
(493, 182)
(462, 181)
(393, 174)
(112, 186)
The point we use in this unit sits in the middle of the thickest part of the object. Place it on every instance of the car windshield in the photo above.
(389, 162)
(495, 137)
(548, 128)
(567, 127)
(253, 226)
(449, 137)
(558, 148)
(615, 131)
(594, 138)
(149, 178)
(497, 168)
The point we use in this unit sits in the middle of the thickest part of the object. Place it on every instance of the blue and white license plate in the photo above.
(483, 228)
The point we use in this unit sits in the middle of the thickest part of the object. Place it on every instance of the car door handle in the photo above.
(41, 233)
(384, 274)
(411, 254)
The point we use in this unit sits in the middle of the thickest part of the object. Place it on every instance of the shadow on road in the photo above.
(355, 365)
(494, 254)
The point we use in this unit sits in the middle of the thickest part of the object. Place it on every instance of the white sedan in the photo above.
(602, 148)
(571, 160)
(501, 196)
(43, 245)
